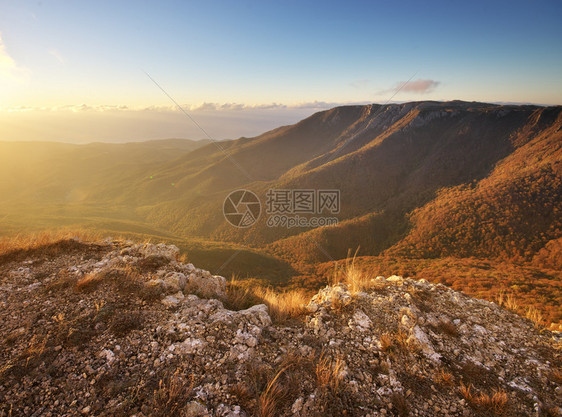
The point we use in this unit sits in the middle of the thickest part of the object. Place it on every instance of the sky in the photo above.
(82, 71)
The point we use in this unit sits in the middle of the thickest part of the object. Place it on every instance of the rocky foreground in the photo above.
(118, 328)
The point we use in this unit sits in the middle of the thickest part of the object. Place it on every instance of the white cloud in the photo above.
(56, 55)
(9, 69)
(202, 108)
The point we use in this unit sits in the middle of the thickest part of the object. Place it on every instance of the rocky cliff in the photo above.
(118, 328)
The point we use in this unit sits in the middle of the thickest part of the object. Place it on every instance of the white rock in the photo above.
(206, 285)
(245, 338)
(175, 281)
(170, 252)
(191, 345)
(312, 307)
(417, 335)
(173, 300)
(297, 405)
(195, 409)
(361, 320)
(395, 279)
(480, 329)
(108, 354)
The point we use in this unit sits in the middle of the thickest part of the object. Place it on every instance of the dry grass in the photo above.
(30, 241)
(282, 306)
(240, 295)
(267, 391)
(172, 394)
(350, 274)
(122, 277)
(35, 348)
(329, 373)
(30, 357)
(386, 342)
(508, 301)
(556, 376)
(268, 402)
(124, 281)
(495, 403)
(443, 378)
(466, 393)
(89, 282)
(355, 278)
(400, 404)
(395, 342)
(127, 281)
(535, 316)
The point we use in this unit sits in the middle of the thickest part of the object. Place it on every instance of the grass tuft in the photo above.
(400, 404)
(508, 301)
(556, 376)
(535, 316)
(172, 395)
(329, 373)
(274, 393)
(443, 378)
(282, 306)
(495, 403)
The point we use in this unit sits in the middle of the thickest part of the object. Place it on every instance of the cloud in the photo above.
(359, 84)
(313, 105)
(206, 107)
(57, 55)
(418, 86)
(269, 106)
(232, 106)
(9, 69)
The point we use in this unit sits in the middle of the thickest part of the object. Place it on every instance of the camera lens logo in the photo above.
(241, 208)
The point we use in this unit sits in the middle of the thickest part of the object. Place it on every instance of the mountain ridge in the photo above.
(418, 180)
(386, 159)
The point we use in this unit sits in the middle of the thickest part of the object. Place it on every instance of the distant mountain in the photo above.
(424, 179)
(51, 172)
(395, 165)
(463, 180)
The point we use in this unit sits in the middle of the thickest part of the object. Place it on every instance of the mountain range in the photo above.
(419, 180)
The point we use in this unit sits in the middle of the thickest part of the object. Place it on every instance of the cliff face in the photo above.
(117, 328)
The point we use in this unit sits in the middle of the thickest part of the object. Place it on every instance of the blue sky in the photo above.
(72, 56)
